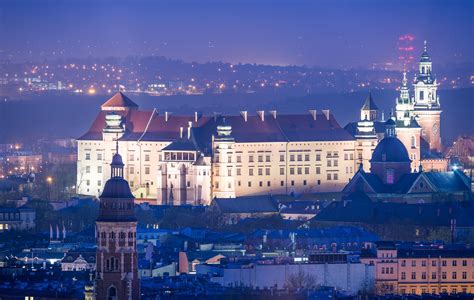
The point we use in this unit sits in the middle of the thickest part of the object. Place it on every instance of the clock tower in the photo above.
(116, 227)
(427, 110)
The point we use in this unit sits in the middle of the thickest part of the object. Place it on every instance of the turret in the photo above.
(224, 162)
(369, 110)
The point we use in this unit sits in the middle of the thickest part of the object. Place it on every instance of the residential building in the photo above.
(421, 269)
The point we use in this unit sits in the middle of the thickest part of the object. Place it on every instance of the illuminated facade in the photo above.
(192, 159)
(417, 120)
(422, 269)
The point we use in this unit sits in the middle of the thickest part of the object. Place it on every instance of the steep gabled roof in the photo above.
(369, 103)
(119, 100)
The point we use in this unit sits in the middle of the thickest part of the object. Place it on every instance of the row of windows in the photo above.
(293, 157)
(131, 170)
(434, 291)
(444, 263)
(121, 235)
(131, 157)
(9, 216)
(454, 275)
(293, 171)
(261, 183)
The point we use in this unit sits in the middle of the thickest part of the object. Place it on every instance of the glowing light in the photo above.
(91, 91)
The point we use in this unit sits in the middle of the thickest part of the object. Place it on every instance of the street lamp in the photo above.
(49, 180)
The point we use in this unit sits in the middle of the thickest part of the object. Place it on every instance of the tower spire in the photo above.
(116, 144)
(116, 167)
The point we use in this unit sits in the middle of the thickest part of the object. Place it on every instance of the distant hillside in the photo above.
(71, 115)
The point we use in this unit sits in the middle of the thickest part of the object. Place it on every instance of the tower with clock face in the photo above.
(427, 109)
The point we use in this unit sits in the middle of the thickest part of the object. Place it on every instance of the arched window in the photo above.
(413, 142)
(112, 293)
(112, 264)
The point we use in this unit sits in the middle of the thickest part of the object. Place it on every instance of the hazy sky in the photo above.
(324, 33)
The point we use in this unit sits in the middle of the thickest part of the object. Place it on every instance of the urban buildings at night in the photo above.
(236, 150)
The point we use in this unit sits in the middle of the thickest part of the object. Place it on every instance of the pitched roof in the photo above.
(428, 214)
(149, 126)
(249, 204)
(119, 100)
(369, 103)
(181, 145)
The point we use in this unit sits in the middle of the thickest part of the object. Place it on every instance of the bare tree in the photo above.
(301, 280)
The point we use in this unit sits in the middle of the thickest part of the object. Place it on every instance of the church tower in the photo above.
(116, 226)
(404, 106)
(426, 103)
(369, 110)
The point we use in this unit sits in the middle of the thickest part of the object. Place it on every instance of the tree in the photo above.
(301, 280)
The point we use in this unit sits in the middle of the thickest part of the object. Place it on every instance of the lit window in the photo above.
(390, 176)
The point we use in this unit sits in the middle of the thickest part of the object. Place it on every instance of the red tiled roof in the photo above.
(284, 128)
(119, 100)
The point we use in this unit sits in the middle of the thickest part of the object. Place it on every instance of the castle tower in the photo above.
(426, 103)
(116, 226)
(369, 110)
(223, 178)
(404, 106)
(366, 137)
(408, 129)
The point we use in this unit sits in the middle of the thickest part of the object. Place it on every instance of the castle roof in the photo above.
(150, 126)
(119, 100)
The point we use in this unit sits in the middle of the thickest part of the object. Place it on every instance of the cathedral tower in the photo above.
(116, 226)
(426, 104)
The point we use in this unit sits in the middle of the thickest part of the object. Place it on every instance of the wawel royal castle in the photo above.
(192, 159)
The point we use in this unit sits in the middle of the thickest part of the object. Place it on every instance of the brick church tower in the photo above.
(427, 109)
(116, 226)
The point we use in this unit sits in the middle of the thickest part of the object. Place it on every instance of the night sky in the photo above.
(318, 33)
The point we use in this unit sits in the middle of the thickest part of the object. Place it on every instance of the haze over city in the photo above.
(334, 34)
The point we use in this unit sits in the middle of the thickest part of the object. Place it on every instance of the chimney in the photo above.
(197, 116)
(313, 113)
(189, 129)
(167, 115)
(326, 113)
(180, 132)
(261, 114)
(244, 115)
(273, 113)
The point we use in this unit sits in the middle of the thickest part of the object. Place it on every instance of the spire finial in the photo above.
(405, 80)
(116, 143)
(425, 45)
